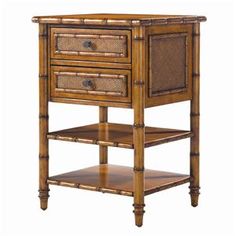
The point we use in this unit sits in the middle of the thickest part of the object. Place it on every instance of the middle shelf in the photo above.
(117, 135)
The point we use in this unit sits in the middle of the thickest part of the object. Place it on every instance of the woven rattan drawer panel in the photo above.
(168, 63)
(87, 83)
(91, 44)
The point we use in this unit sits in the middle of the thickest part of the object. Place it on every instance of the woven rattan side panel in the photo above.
(168, 63)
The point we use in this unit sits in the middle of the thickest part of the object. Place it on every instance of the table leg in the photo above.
(103, 150)
(195, 118)
(43, 117)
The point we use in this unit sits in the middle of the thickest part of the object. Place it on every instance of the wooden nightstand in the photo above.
(119, 60)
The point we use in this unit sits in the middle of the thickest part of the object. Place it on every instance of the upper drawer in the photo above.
(91, 44)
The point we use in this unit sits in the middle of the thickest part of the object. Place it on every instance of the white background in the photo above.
(78, 212)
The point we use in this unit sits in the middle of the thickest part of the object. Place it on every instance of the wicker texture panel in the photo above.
(167, 64)
(103, 46)
(99, 85)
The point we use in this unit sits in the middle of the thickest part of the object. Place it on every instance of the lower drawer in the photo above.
(90, 83)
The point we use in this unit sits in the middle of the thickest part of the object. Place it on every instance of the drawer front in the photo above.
(90, 44)
(92, 84)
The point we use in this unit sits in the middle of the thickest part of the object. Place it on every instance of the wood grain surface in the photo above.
(117, 179)
(118, 135)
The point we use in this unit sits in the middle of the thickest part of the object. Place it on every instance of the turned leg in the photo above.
(43, 118)
(103, 150)
(138, 75)
(138, 196)
(138, 131)
(43, 186)
(138, 172)
(195, 117)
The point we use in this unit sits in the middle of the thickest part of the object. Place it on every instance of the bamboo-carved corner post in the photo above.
(195, 117)
(138, 78)
(43, 117)
(103, 150)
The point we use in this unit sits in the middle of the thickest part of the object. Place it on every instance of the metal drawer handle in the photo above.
(87, 44)
(87, 83)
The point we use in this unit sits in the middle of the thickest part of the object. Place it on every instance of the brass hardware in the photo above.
(87, 44)
(87, 83)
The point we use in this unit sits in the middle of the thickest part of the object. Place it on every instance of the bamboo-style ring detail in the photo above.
(43, 157)
(138, 169)
(194, 114)
(194, 153)
(136, 126)
(138, 38)
(139, 82)
(138, 205)
(41, 76)
(194, 190)
(196, 75)
(43, 117)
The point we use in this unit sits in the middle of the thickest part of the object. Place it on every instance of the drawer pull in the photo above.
(87, 83)
(87, 44)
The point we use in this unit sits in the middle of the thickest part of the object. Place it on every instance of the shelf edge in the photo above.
(88, 187)
(167, 186)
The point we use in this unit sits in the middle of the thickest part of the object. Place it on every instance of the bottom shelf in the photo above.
(117, 179)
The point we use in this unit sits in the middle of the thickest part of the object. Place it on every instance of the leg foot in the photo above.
(43, 195)
(44, 204)
(194, 194)
(139, 220)
(138, 213)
